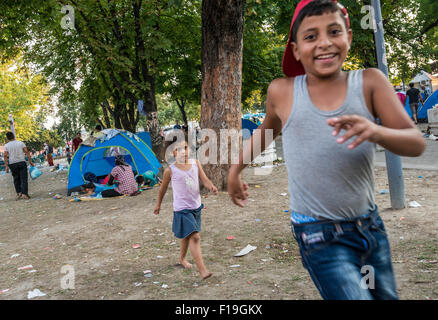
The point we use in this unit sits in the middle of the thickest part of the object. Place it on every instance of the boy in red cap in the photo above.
(327, 119)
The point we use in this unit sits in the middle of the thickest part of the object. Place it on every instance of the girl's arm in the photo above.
(204, 179)
(167, 175)
(397, 133)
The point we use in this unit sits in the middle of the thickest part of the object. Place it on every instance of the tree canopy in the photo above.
(23, 95)
(99, 57)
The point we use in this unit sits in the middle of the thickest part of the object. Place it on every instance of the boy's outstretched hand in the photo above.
(157, 210)
(237, 189)
(355, 125)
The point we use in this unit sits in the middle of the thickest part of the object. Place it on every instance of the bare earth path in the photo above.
(96, 239)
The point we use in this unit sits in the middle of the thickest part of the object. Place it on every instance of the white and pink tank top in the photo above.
(185, 186)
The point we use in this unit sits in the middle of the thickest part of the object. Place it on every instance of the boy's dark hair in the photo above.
(67, 149)
(316, 8)
(98, 127)
(139, 179)
(89, 185)
(10, 136)
(411, 84)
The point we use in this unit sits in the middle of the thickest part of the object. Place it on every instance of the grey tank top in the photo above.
(326, 179)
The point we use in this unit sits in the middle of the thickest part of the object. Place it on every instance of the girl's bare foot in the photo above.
(18, 197)
(25, 196)
(186, 264)
(206, 275)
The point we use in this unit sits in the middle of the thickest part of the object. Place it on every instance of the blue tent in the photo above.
(422, 109)
(98, 160)
(146, 137)
(251, 126)
(431, 101)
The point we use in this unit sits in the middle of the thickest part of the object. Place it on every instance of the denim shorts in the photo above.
(186, 221)
(348, 259)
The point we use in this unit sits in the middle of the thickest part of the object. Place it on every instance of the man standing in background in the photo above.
(76, 142)
(414, 100)
(15, 152)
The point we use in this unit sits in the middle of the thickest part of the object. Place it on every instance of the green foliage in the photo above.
(126, 50)
(51, 137)
(24, 95)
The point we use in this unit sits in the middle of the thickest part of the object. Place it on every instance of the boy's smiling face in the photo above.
(322, 44)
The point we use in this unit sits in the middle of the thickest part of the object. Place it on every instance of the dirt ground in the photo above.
(96, 239)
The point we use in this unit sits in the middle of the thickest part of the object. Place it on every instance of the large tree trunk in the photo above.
(222, 42)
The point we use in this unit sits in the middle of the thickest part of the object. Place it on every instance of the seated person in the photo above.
(89, 189)
(140, 181)
(150, 179)
(95, 189)
(125, 178)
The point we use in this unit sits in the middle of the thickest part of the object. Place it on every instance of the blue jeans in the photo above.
(348, 260)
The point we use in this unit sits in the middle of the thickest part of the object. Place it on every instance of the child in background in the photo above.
(334, 217)
(140, 181)
(184, 175)
(68, 154)
(95, 189)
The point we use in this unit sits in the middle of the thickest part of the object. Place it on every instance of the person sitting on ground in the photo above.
(94, 189)
(89, 189)
(140, 182)
(125, 177)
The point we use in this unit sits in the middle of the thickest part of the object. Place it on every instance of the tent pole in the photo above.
(393, 162)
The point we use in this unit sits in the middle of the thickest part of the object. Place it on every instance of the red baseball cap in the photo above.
(292, 67)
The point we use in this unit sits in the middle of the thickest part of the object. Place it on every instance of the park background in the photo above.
(60, 74)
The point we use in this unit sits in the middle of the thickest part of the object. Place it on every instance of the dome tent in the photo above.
(97, 155)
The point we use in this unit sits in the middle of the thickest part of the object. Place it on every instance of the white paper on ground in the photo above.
(35, 293)
(26, 267)
(414, 204)
(245, 250)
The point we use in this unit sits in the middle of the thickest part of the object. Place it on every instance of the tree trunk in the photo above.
(222, 42)
(106, 110)
(181, 106)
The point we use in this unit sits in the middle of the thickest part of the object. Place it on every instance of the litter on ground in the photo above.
(245, 250)
(28, 267)
(35, 293)
(414, 204)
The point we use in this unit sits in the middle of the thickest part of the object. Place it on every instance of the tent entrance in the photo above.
(101, 160)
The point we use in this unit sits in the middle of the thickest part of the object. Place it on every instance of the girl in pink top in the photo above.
(184, 175)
